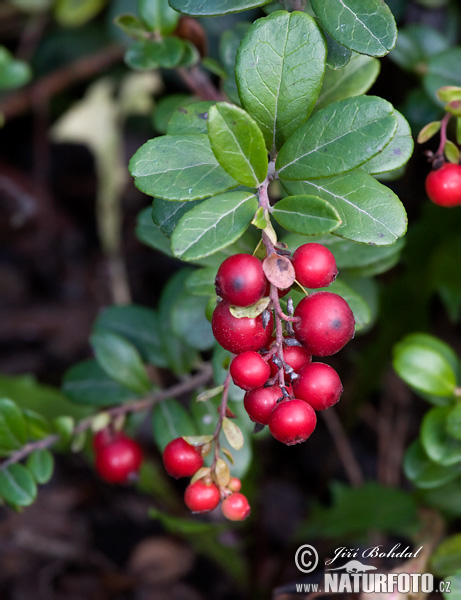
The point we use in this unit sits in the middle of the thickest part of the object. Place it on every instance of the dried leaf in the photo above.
(233, 434)
(279, 271)
(197, 440)
(222, 472)
(208, 394)
(202, 472)
(428, 131)
(253, 311)
(228, 455)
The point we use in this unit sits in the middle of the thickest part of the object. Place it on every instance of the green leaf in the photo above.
(190, 119)
(279, 71)
(415, 45)
(337, 55)
(139, 325)
(179, 168)
(436, 344)
(220, 361)
(41, 464)
(17, 486)
(37, 426)
(158, 16)
(13, 427)
(442, 70)
(167, 214)
(64, 427)
(454, 592)
(211, 8)
(88, 383)
(189, 323)
(370, 212)
(238, 144)
(13, 73)
(354, 79)
(307, 215)
(366, 26)
(152, 54)
(201, 282)
(213, 225)
(439, 446)
(451, 152)
(424, 368)
(165, 108)
(120, 360)
(74, 13)
(447, 556)
(428, 131)
(423, 472)
(150, 234)
(337, 139)
(170, 421)
(453, 423)
(131, 25)
(228, 46)
(356, 511)
(397, 152)
(233, 434)
(445, 498)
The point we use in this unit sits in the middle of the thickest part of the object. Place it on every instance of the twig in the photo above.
(132, 407)
(343, 447)
(443, 135)
(199, 83)
(222, 414)
(20, 102)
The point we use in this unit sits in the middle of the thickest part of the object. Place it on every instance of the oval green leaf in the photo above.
(190, 119)
(422, 471)
(170, 421)
(279, 72)
(210, 8)
(238, 144)
(41, 464)
(176, 167)
(439, 446)
(307, 215)
(157, 15)
(146, 54)
(447, 557)
(233, 433)
(17, 485)
(13, 427)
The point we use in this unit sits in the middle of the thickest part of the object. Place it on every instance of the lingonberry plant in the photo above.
(266, 182)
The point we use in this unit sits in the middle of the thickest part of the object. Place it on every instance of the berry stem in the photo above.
(202, 377)
(443, 134)
(222, 414)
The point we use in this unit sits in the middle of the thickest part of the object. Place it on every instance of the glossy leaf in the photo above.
(157, 15)
(428, 131)
(74, 13)
(454, 592)
(453, 422)
(415, 45)
(447, 556)
(120, 360)
(366, 26)
(13, 427)
(213, 225)
(37, 425)
(424, 368)
(189, 119)
(337, 55)
(209, 8)
(436, 344)
(238, 144)
(337, 139)
(131, 25)
(13, 73)
(279, 71)
(438, 444)
(88, 383)
(17, 486)
(307, 215)
(165, 108)
(422, 471)
(152, 54)
(397, 152)
(139, 325)
(179, 168)
(354, 79)
(370, 212)
(150, 234)
(167, 214)
(201, 282)
(189, 323)
(41, 464)
(228, 46)
(442, 70)
(170, 421)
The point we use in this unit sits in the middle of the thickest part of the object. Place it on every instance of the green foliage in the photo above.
(189, 119)
(13, 73)
(209, 8)
(74, 13)
(306, 215)
(447, 556)
(171, 420)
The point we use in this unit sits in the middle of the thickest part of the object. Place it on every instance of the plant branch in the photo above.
(443, 134)
(222, 414)
(183, 387)
(200, 84)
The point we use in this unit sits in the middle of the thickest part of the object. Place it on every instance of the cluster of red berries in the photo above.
(118, 457)
(443, 185)
(182, 459)
(323, 323)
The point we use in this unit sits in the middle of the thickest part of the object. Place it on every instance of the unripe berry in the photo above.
(327, 323)
(119, 459)
(240, 280)
(319, 385)
(236, 507)
(443, 186)
(292, 421)
(315, 266)
(235, 485)
(249, 370)
(239, 335)
(260, 403)
(181, 459)
(200, 497)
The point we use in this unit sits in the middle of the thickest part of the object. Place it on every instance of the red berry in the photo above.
(295, 357)
(235, 507)
(292, 421)
(443, 186)
(327, 323)
(181, 459)
(235, 485)
(119, 459)
(104, 437)
(201, 497)
(319, 385)
(249, 370)
(239, 335)
(240, 280)
(260, 403)
(315, 266)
